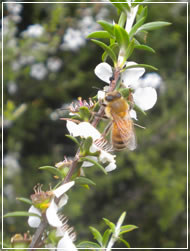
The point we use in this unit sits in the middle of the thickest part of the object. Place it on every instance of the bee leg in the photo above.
(97, 115)
(107, 129)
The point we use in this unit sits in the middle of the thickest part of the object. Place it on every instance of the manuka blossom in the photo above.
(85, 130)
(144, 97)
(44, 202)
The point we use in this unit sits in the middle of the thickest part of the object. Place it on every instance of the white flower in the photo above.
(145, 98)
(73, 39)
(54, 64)
(66, 243)
(38, 71)
(85, 130)
(52, 210)
(34, 30)
(14, 8)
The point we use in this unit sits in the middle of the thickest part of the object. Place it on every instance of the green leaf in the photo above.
(84, 113)
(106, 236)
(83, 180)
(142, 12)
(136, 2)
(26, 200)
(142, 65)
(122, 19)
(52, 170)
(95, 163)
(129, 50)
(113, 46)
(127, 228)
(121, 6)
(88, 244)
(20, 213)
(96, 234)
(99, 34)
(125, 242)
(136, 26)
(107, 49)
(121, 218)
(73, 139)
(122, 36)
(137, 108)
(153, 25)
(144, 47)
(110, 224)
(107, 26)
(86, 145)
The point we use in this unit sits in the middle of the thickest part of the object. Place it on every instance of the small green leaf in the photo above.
(137, 108)
(121, 218)
(136, 26)
(110, 224)
(26, 200)
(144, 47)
(86, 145)
(142, 65)
(84, 113)
(73, 139)
(153, 25)
(52, 170)
(99, 34)
(122, 19)
(136, 2)
(125, 242)
(88, 244)
(124, 6)
(129, 50)
(122, 36)
(96, 234)
(20, 213)
(142, 12)
(127, 228)
(84, 180)
(95, 163)
(106, 236)
(107, 26)
(107, 49)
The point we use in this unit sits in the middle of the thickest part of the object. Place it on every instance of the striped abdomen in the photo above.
(123, 135)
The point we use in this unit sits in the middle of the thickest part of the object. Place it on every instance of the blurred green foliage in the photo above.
(149, 183)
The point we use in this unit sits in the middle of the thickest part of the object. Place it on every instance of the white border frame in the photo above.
(187, 118)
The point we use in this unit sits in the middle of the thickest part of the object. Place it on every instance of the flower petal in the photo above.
(104, 72)
(101, 95)
(52, 216)
(112, 166)
(87, 130)
(107, 157)
(131, 75)
(63, 188)
(72, 128)
(133, 114)
(66, 244)
(34, 221)
(145, 98)
(63, 201)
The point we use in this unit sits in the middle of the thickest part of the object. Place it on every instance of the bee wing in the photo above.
(126, 130)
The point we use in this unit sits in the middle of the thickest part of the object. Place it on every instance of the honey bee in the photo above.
(122, 133)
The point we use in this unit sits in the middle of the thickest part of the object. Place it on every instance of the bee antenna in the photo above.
(97, 88)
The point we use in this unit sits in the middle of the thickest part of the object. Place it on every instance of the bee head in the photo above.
(111, 96)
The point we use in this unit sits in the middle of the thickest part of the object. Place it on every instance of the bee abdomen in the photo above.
(118, 141)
